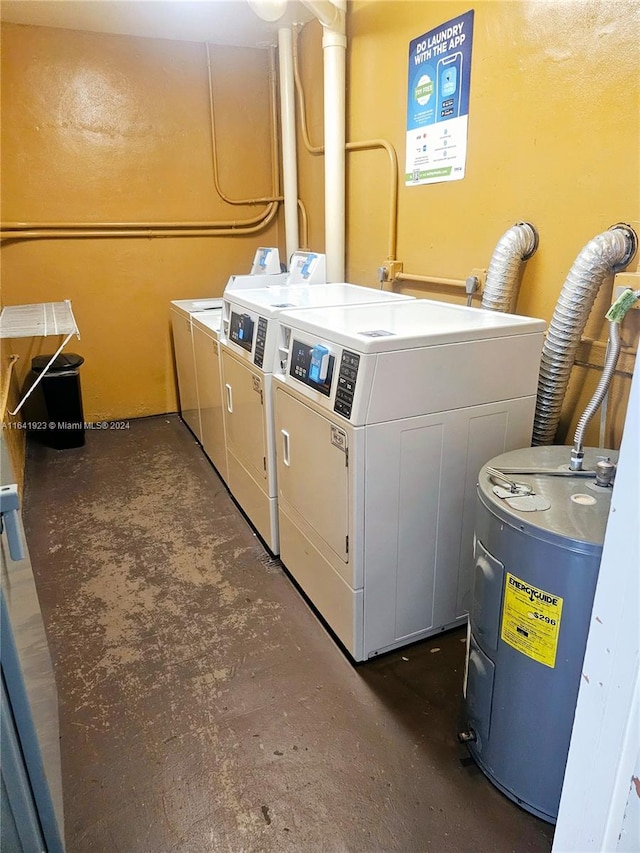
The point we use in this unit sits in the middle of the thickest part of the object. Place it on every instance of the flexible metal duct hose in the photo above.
(604, 255)
(506, 266)
(611, 360)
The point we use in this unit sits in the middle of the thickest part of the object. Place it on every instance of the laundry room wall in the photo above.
(101, 128)
(553, 139)
(114, 129)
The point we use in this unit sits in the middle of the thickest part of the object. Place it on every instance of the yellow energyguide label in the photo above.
(531, 620)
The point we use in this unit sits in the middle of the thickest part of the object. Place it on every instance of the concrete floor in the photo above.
(203, 705)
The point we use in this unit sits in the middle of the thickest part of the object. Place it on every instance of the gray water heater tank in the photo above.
(534, 581)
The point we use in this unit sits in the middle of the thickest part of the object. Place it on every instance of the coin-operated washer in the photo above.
(383, 416)
(265, 268)
(249, 338)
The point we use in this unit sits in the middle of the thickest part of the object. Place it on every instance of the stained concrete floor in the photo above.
(203, 705)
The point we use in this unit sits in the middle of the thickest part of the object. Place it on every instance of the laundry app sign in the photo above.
(438, 102)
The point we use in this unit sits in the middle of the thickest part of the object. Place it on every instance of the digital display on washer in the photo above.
(241, 330)
(312, 365)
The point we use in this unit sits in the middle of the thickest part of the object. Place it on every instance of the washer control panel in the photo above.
(346, 387)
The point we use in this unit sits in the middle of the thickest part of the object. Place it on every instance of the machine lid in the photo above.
(274, 300)
(209, 321)
(254, 282)
(578, 510)
(191, 306)
(407, 324)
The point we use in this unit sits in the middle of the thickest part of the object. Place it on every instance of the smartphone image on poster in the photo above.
(449, 80)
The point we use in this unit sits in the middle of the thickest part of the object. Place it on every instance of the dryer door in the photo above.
(244, 419)
(211, 399)
(313, 473)
(185, 368)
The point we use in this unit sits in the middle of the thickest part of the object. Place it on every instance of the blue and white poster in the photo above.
(438, 103)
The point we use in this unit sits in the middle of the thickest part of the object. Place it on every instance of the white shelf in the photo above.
(38, 320)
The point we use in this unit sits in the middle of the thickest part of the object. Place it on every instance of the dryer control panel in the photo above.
(243, 332)
(312, 365)
(334, 377)
(241, 328)
(261, 340)
(346, 388)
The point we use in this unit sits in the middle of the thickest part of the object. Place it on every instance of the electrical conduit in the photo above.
(615, 316)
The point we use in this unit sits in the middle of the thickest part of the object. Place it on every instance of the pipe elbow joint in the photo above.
(577, 457)
(535, 239)
(632, 244)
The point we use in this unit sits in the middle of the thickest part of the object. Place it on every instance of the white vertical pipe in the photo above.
(288, 128)
(334, 47)
(332, 16)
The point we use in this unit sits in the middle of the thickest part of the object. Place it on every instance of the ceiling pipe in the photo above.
(332, 16)
(288, 131)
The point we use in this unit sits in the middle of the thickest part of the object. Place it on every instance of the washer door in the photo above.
(313, 481)
(244, 417)
(185, 367)
(211, 399)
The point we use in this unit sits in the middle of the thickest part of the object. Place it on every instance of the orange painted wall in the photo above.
(105, 128)
(98, 127)
(554, 139)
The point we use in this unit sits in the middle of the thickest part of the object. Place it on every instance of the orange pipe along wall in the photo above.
(103, 128)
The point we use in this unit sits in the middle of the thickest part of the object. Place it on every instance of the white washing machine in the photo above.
(384, 415)
(249, 337)
(181, 312)
(265, 268)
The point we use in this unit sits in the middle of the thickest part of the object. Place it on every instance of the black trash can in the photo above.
(62, 396)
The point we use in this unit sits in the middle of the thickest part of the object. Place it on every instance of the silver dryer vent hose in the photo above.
(604, 255)
(515, 247)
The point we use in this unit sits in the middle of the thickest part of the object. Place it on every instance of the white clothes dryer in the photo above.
(384, 415)
(249, 337)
